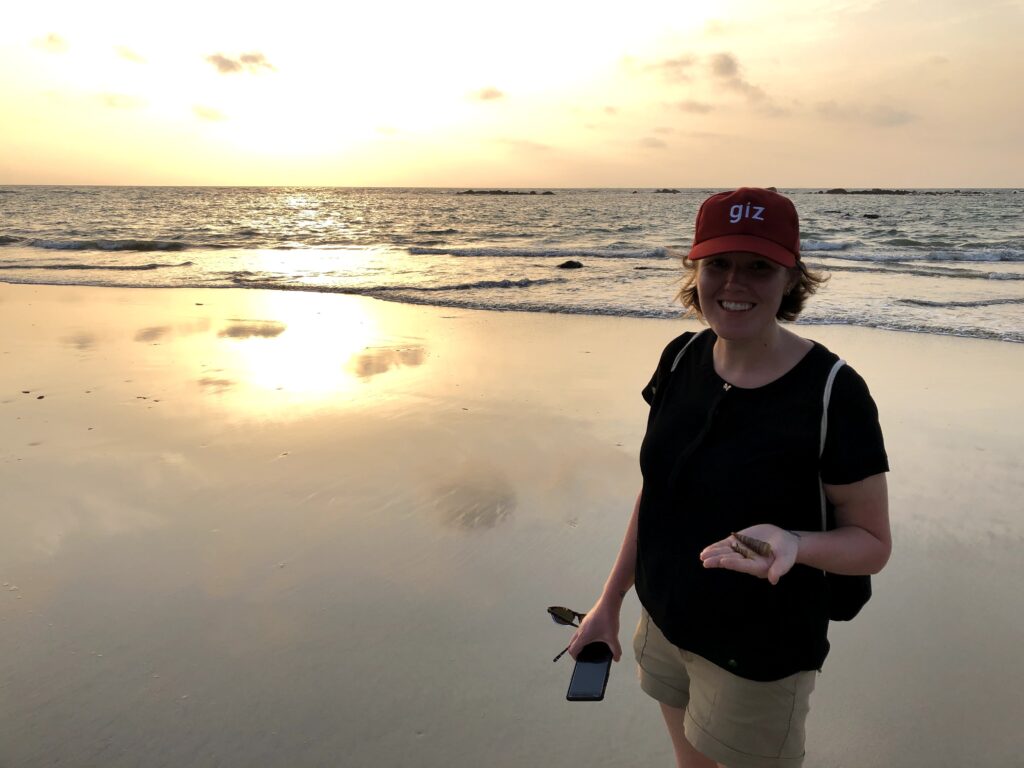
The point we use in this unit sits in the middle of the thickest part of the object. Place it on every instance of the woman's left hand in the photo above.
(784, 547)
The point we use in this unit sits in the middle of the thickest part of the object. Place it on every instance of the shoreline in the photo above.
(240, 521)
(469, 305)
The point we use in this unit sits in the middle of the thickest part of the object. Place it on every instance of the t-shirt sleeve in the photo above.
(668, 357)
(854, 448)
(652, 386)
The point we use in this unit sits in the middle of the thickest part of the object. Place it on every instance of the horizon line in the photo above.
(488, 187)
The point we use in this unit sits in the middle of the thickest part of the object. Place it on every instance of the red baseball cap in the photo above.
(749, 220)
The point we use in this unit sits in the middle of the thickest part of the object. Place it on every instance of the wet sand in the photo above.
(287, 529)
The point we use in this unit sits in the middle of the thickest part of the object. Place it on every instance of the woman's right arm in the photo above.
(602, 621)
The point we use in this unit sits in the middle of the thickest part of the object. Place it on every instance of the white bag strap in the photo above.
(824, 430)
(683, 350)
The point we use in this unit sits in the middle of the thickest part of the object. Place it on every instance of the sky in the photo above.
(552, 93)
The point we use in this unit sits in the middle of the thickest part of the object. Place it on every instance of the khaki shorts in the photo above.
(737, 722)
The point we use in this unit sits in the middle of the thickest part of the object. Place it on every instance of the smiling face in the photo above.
(740, 294)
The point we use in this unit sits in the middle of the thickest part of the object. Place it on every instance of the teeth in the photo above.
(737, 306)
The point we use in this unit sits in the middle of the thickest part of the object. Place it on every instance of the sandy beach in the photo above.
(291, 529)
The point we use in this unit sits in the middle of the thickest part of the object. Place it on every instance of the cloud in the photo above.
(664, 130)
(128, 54)
(725, 65)
(487, 94)
(255, 61)
(725, 72)
(696, 107)
(888, 116)
(250, 62)
(223, 64)
(611, 110)
(674, 70)
(208, 113)
(726, 69)
(53, 43)
(650, 142)
(121, 101)
(878, 115)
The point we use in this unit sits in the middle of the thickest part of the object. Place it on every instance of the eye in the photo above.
(759, 265)
(717, 262)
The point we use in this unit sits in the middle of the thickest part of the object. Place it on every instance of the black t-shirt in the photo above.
(718, 458)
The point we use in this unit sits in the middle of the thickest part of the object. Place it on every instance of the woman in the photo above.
(730, 640)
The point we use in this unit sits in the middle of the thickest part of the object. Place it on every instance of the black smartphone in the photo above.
(590, 675)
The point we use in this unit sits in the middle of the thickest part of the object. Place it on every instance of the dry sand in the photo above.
(265, 528)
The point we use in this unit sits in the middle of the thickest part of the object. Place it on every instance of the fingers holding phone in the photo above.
(600, 625)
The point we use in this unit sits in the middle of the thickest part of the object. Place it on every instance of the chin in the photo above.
(740, 328)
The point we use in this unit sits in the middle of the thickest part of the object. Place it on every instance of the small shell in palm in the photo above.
(748, 546)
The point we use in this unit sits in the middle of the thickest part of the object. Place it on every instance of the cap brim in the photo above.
(743, 244)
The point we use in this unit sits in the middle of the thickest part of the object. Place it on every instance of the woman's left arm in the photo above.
(859, 544)
(861, 541)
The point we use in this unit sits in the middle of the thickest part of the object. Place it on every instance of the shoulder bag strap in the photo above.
(824, 431)
(683, 350)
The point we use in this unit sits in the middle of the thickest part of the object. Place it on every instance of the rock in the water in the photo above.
(501, 192)
(570, 264)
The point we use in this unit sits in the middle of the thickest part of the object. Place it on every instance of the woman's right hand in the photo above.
(600, 624)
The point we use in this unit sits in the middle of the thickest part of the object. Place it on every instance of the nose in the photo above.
(732, 275)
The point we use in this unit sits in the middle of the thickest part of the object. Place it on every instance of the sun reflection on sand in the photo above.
(304, 349)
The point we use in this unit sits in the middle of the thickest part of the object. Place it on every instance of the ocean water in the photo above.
(934, 261)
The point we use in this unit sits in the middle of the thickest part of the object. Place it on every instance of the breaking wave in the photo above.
(958, 304)
(544, 253)
(96, 245)
(378, 290)
(99, 267)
